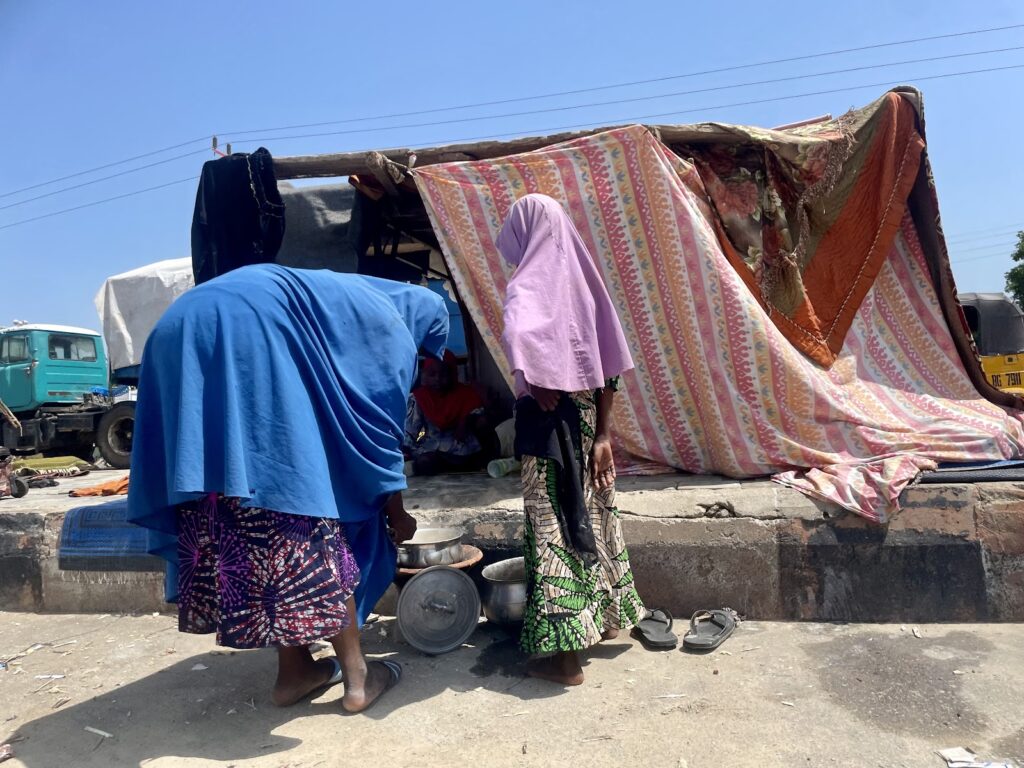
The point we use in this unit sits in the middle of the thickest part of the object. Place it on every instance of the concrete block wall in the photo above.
(954, 552)
(31, 581)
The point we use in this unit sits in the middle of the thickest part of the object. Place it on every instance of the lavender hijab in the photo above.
(561, 329)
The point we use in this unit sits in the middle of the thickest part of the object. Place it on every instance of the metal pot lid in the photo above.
(438, 609)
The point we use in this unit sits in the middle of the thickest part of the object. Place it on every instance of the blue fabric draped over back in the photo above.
(286, 388)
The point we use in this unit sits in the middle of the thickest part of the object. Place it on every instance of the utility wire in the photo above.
(577, 91)
(969, 240)
(98, 202)
(1001, 247)
(568, 127)
(550, 110)
(995, 232)
(979, 258)
(103, 167)
(639, 118)
(497, 102)
(103, 178)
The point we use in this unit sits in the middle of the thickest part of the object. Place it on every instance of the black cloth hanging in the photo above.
(239, 215)
(556, 435)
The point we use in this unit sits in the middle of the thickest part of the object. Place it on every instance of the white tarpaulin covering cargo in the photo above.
(130, 304)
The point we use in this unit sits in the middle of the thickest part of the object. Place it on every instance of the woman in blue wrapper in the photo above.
(267, 461)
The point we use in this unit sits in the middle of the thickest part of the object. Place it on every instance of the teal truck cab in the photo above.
(54, 383)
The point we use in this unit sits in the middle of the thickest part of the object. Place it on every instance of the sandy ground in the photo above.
(774, 695)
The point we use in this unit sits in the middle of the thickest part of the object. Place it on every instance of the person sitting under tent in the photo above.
(446, 428)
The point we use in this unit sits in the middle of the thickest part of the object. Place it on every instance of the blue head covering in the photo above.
(286, 388)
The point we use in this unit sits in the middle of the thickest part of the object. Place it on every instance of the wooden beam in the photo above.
(378, 167)
(348, 163)
(704, 133)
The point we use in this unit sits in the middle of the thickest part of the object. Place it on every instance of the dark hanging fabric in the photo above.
(555, 435)
(239, 215)
(364, 226)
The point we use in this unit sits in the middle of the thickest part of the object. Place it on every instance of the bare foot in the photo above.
(562, 668)
(379, 678)
(298, 687)
(609, 634)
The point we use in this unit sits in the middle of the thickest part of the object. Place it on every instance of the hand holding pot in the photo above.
(401, 525)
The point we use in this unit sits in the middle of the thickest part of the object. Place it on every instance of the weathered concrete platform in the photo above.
(29, 576)
(954, 553)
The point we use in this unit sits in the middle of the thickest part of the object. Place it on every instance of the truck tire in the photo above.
(18, 487)
(114, 435)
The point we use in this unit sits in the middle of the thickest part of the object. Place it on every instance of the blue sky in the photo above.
(86, 84)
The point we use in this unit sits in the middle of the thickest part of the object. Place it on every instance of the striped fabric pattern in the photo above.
(717, 388)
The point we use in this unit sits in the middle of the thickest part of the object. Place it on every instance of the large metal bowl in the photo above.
(431, 546)
(505, 591)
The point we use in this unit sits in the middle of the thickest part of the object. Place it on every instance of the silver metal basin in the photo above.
(431, 546)
(505, 591)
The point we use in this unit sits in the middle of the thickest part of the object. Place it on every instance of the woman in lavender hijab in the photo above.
(566, 349)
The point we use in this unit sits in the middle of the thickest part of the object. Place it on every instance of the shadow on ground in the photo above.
(216, 705)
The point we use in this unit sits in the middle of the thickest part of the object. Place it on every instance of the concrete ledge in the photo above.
(29, 576)
(954, 553)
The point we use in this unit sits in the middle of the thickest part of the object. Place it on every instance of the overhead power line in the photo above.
(520, 99)
(546, 111)
(651, 116)
(994, 232)
(635, 118)
(98, 202)
(104, 178)
(969, 240)
(979, 258)
(631, 83)
(1009, 245)
(654, 97)
(103, 167)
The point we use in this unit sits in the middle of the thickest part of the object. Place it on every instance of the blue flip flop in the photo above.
(336, 677)
(394, 670)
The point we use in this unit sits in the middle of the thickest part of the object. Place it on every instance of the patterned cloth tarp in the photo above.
(807, 217)
(718, 387)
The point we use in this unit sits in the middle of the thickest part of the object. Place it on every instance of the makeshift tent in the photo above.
(129, 304)
(787, 293)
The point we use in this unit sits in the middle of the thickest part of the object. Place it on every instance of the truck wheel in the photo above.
(18, 487)
(114, 435)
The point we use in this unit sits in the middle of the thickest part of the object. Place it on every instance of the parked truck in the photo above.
(56, 393)
(68, 389)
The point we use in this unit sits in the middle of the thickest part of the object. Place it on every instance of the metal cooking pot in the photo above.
(505, 591)
(431, 546)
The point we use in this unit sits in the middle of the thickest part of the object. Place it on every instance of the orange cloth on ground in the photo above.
(117, 487)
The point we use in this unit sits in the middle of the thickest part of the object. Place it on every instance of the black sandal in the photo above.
(654, 631)
(709, 629)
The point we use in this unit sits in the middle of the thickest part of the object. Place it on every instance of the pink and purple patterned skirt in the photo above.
(260, 578)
